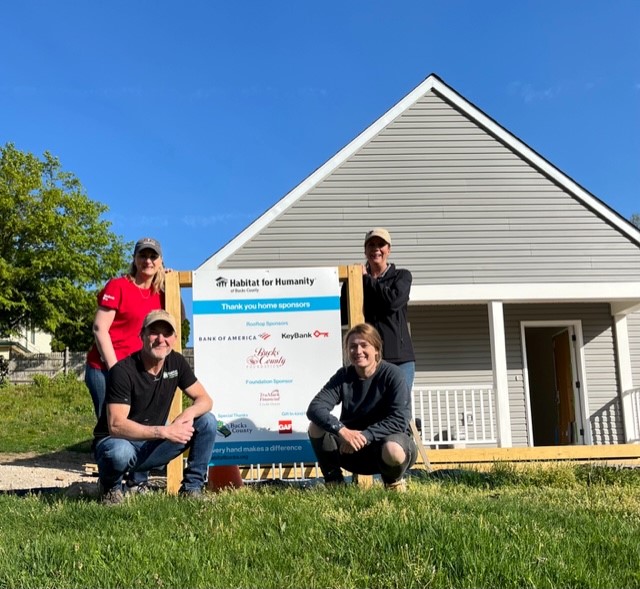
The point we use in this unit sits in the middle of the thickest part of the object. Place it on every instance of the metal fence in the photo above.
(632, 396)
(22, 369)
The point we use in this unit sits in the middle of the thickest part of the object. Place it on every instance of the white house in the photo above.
(28, 341)
(525, 284)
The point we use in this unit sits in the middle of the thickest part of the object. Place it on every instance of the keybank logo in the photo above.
(296, 335)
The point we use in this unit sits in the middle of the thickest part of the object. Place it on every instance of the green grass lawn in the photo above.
(52, 414)
(564, 526)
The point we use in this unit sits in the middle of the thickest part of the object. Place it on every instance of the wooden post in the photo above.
(417, 438)
(173, 304)
(355, 303)
(355, 294)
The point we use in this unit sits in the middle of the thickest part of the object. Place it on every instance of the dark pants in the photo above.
(365, 461)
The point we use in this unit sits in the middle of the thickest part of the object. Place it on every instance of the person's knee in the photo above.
(119, 454)
(205, 422)
(315, 431)
(393, 454)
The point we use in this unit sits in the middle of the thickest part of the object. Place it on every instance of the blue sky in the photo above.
(190, 119)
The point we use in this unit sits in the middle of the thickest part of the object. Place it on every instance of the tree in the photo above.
(635, 219)
(75, 330)
(185, 330)
(55, 250)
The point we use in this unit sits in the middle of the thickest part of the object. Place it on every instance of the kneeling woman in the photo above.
(372, 435)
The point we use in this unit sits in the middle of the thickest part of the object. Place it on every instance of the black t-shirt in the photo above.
(150, 397)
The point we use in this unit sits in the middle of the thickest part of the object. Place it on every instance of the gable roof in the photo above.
(431, 84)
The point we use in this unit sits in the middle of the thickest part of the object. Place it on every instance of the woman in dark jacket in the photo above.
(386, 294)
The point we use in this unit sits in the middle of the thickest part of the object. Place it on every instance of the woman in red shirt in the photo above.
(123, 304)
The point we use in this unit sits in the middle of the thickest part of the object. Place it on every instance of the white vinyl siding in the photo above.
(466, 204)
(452, 350)
(452, 347)
(462, 208)
(633, 326)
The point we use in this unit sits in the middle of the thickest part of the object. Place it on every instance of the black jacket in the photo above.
(385, 307)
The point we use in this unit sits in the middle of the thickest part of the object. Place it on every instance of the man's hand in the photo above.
(351, 440)
(180, 431)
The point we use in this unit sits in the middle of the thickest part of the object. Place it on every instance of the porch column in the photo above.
(625, 377)
(500, 381)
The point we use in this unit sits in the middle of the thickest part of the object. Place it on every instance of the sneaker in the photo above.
(196, 493)
(397, 486)
(137, 488)
(113, 496)
(335, 478)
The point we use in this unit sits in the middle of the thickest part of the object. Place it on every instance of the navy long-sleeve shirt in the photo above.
(377, 406)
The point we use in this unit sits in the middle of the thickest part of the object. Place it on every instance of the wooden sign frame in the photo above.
(174, 281)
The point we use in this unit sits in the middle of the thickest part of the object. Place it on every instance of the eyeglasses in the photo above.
(374, 244)
(148, 255)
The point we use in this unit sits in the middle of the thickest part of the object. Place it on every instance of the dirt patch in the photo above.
(42, 471)
(74, 473)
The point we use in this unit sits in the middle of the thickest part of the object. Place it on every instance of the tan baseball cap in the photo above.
(155, 316)
(378, 232)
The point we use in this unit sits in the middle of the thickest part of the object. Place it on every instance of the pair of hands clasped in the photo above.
(180, 430)
(351, 440)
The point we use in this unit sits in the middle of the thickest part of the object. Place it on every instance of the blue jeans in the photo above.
(409, 371)
(116, 456)
(96, 381)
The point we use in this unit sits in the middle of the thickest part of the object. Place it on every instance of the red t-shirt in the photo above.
(132, 304)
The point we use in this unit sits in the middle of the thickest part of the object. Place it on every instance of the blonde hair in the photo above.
(369, 333)
(157, 284)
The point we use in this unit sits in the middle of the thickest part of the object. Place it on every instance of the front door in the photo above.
(552, 358)
(566, 424)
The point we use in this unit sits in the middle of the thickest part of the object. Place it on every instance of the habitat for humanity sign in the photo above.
(265, 342)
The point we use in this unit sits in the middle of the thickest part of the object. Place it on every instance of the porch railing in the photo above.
(632, 396)
(446, 417)
(455, 417)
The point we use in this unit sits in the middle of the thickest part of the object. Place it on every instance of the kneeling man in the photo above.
(133, 434)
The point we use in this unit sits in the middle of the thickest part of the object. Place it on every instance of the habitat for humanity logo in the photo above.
(222, 281)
